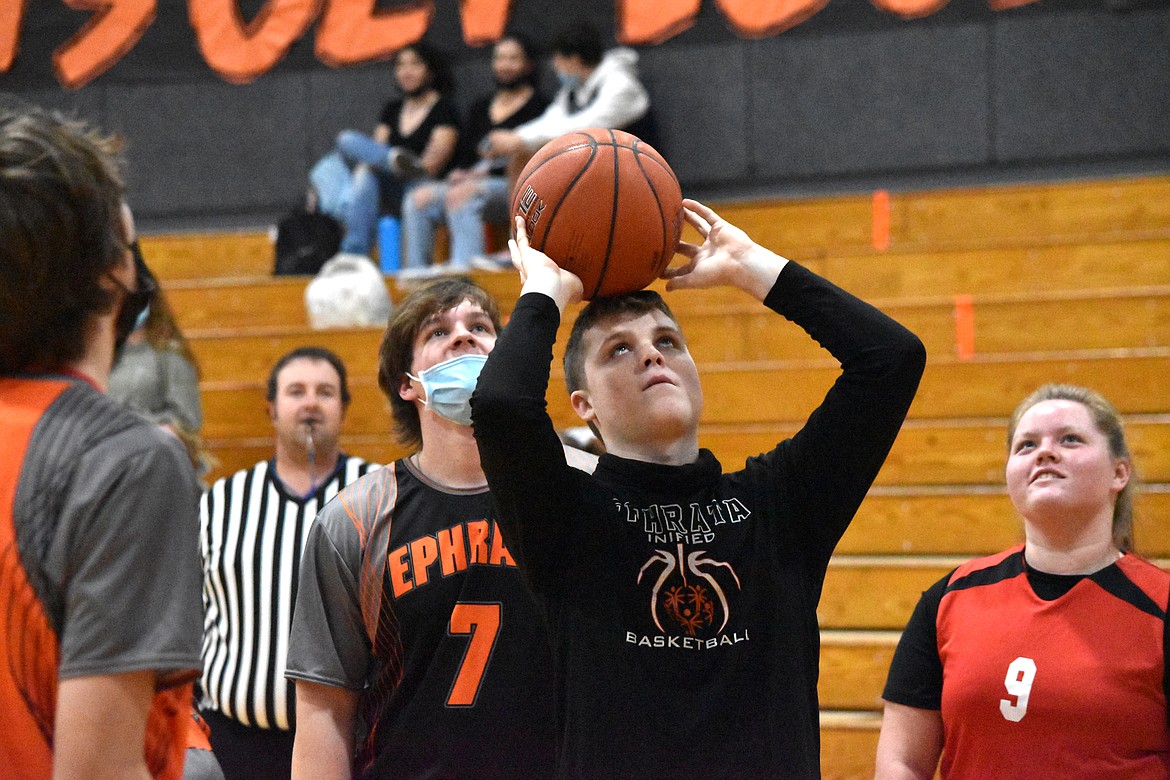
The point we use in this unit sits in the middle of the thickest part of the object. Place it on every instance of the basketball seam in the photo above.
(520, 184)
(657, 200)
(613, 214)
(572, 183)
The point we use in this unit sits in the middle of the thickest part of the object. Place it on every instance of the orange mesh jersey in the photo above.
(32, 601)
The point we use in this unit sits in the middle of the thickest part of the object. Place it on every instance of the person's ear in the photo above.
(1121, 474)
(272, 411)
(407, 391)
(583, 405)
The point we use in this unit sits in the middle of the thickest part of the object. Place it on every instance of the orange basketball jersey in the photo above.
(28, 671)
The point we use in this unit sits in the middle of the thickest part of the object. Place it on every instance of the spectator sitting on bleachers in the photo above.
(415, 139)
(597, 89)
(477, 192)
(155, 374)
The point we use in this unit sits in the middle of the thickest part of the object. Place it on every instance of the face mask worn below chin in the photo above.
(448, 386)
(569, 81)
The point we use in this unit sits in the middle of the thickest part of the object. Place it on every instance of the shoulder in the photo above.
(86, 429)
(351, 468)
(258, 470)
(1007, 562)
(359, 505)
(621, 58)
(1154, 581)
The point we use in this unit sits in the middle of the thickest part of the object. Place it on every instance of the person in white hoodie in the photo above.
(597, 89)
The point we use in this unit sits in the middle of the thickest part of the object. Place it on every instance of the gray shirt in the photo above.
(159, 384)
(106, 520)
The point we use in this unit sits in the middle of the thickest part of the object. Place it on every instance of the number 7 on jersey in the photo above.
(482, 623)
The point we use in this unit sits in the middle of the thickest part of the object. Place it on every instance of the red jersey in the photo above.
(1069, 688)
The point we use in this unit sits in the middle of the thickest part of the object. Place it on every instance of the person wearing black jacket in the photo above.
(681, 600)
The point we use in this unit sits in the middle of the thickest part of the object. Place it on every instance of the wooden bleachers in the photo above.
(1066, 282)
(1129, 320)
(1126, 318)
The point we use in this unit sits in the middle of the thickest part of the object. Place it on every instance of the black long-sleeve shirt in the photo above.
(682, 601)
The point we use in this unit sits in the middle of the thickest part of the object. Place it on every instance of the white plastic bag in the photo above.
(349, 291)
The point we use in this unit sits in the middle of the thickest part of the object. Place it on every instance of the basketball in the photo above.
(604, 205)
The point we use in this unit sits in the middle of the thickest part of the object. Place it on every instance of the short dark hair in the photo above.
(397, 350)
(600, 310)
(61, 230)
(580, 38)
(438, 64)
(309, 353)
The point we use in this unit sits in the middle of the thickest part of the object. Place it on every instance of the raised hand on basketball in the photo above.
(727, 256)
(538, 272)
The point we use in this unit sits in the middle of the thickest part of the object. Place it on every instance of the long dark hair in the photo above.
(437, 62)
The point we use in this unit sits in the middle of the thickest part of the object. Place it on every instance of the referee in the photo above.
(252, 529)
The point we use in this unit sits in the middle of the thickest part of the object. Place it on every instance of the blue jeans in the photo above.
(465, 224)
(419, 223)
(351, 183)
(358, 147)
(333, 182)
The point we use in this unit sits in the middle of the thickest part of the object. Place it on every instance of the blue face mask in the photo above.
(569, 81)
(143, 316)
(448, 386)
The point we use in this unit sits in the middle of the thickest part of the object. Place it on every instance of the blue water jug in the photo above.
(389, 236)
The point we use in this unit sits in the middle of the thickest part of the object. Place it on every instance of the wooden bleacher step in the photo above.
(746, 332)
(848, 744)
(982, 218)
(972, 520)
(996, 276)
(927, 454)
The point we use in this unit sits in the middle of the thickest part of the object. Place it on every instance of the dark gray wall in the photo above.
(851, 98)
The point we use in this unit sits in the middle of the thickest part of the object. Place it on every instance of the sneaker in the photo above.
(405, 164)
(431, 271)
(496, 261)
(420, 272)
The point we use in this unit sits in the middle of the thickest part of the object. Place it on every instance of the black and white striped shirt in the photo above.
(252, 532)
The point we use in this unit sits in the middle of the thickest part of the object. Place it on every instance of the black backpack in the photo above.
(304, 241)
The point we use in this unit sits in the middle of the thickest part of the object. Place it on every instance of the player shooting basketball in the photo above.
(682, 599)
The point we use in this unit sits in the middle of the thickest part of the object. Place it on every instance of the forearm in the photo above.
(856, 333)
(100, 728)
(324, 744)
(439, 150)
(552, 123)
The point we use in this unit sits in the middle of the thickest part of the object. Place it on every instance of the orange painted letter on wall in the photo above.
(910, 9)
(241, 52)
(650, 22)
(483, 20)
(351, 31)
(11, 15)
(763, 18)
(112, 31)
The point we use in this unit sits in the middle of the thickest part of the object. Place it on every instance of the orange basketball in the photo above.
(604, 205)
